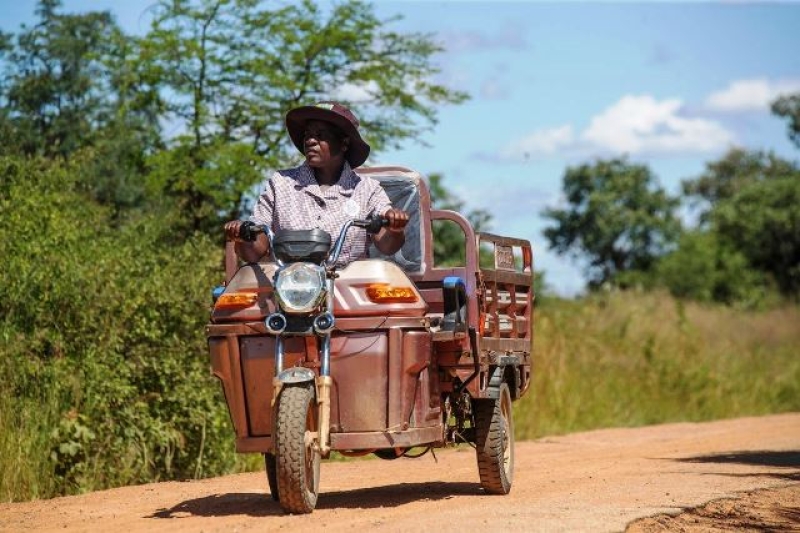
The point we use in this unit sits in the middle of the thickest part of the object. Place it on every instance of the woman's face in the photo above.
(324, 144)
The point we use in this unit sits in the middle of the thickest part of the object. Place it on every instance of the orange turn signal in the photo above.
(236, 300)
(384, 293)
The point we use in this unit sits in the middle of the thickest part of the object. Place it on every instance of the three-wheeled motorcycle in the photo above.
(391, 355)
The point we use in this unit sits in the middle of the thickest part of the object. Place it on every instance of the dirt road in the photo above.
(595, 481)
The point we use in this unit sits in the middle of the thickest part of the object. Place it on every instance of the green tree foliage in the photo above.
(617, 218)
(234, 67)
(762, 221)
(101, 336)
(54, 81)
(788, 107)
(726, 177)
(68, 84)
(704, 269)
(448, 239)
(750, 209)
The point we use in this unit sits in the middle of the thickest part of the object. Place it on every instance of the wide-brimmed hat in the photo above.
(336, 114)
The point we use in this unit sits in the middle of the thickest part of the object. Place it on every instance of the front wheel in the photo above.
(494, 442)
(298, 459)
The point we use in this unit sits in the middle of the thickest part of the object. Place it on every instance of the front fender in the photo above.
(296, 374)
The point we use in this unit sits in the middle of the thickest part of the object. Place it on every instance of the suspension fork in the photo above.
(324, 380)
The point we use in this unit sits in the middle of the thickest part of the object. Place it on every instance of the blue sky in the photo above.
(671, 85)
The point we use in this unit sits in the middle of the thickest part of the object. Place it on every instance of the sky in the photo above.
(554, 85)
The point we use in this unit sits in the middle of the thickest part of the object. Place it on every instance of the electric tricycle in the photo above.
(390, 355)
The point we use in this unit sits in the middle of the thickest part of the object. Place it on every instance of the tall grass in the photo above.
(624, 359)
(25, 466)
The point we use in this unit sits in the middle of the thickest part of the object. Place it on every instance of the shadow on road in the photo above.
(396, 495)
(261, 505)
(250, 504)
(787, 459)
(790, 460)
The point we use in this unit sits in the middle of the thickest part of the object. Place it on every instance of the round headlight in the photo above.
(299, 287)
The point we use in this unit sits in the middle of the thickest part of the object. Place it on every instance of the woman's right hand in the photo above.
(232, 230)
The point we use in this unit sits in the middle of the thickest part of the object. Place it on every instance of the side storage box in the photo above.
(246, 366)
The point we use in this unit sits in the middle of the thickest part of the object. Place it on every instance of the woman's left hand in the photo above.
(397, 220)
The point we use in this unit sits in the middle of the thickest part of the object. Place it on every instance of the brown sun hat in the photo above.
(336, 114)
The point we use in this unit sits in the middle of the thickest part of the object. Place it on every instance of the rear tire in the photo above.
(388, 454)
(272, 475)
(494, 442)
(298, 459)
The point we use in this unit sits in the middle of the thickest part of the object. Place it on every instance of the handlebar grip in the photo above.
(248, 231)
(372, 224)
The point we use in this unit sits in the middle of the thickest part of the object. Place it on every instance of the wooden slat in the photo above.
(443, 336)
(506, 241)
(503, 345)
(522, 279)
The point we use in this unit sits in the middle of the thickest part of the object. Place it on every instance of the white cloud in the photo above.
(540, 142)
(633, 125)
(637, 124)
(750, 95)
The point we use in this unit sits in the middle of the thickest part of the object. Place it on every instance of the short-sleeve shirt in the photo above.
(292, 199)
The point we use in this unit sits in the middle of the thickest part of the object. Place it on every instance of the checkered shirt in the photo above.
(292, 199)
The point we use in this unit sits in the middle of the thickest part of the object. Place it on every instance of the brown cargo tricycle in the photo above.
(388, 355)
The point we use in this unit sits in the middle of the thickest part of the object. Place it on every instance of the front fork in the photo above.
(322, 382)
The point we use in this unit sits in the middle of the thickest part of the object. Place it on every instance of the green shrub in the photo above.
(104, 361)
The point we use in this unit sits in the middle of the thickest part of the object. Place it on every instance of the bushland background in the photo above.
(121, 156)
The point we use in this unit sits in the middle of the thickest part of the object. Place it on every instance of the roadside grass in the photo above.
(631, 359)
(25, 466)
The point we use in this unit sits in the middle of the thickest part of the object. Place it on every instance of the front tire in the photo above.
(298, 458)
(494, 442)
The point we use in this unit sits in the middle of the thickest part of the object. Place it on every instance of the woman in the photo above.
(324, 192)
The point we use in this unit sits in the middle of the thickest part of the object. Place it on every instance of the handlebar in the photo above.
(248, 231)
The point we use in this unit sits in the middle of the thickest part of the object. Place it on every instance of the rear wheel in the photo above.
(272, 475)
(298, 459)
(494, 442)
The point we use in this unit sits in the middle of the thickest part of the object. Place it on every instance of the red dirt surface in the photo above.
(658, 478)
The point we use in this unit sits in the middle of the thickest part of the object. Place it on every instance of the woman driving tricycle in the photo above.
(362, 345)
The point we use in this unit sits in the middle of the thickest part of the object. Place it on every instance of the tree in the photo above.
(704, 269)
(233, 69)
(762, 221)
(68, 86)
(751, 209)
(737, 169)
(52, 88)
(448, 239)
(617, 218)
(788, 107)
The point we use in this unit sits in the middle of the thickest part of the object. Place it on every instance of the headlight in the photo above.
(300, 287)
